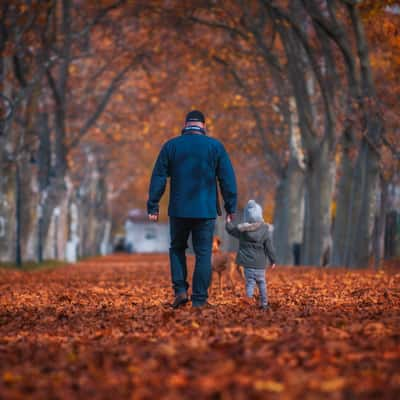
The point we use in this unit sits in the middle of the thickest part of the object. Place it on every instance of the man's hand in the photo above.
(229, 217)
(153, 217)
(273, 266)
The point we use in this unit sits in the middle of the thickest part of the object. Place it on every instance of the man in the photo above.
(194, 162)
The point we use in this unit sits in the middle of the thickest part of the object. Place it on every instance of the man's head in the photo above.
(195, 118)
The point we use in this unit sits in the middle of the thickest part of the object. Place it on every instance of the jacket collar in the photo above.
(249, 226)
(193, 129)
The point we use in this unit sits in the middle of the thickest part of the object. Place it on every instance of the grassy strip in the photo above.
(33, 266)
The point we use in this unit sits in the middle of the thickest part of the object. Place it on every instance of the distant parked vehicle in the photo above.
(143, 236)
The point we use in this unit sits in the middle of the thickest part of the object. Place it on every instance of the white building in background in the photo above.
(143, 236)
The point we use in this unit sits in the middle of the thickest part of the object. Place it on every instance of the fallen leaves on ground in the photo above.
(103, 329)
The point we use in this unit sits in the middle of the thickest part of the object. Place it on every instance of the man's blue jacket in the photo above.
(194, 162)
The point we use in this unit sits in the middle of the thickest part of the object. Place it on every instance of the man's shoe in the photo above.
(206, 305)
(264, 307)
(180, 300)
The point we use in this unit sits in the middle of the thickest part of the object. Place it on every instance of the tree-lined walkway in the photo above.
(102, 329)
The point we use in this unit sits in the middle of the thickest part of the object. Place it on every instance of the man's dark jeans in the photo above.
(202, 236)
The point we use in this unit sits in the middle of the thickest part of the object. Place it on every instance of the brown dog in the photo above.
(223, 264)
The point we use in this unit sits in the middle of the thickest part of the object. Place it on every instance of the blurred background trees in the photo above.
(304, 94)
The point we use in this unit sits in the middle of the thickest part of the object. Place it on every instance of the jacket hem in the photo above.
(254, 266)
(193, 216)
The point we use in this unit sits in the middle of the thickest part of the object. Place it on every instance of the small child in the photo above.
(255, 249)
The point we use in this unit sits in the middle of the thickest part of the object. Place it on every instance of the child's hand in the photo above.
(273, 266)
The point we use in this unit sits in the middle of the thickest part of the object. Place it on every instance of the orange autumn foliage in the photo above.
(103, 328)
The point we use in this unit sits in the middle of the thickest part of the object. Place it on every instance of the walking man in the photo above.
(194, 162)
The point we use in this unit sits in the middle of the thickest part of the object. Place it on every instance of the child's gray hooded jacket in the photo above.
(255, 242)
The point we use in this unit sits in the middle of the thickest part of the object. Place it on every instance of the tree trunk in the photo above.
(7, 211)
(52, 199)
(28, 214)
(380, 225)
(44, 168)
(345, 203)
(289, 213)
(7, 177)
(29, 189)
(93, 207)
(44, 151)
(317, 224)
(369, 165)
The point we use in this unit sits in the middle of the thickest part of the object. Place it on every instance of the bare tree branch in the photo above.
(219, 25)
(107, 94)
(102, 13)
(276, 163)
(391, 147)
(314, 65)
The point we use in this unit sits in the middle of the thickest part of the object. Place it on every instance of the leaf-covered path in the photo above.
(103, 329)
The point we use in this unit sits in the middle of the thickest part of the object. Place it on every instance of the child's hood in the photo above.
(257, 231)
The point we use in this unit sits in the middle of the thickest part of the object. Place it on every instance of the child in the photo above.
(255, 249)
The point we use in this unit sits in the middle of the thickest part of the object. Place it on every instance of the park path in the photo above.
(102, 329)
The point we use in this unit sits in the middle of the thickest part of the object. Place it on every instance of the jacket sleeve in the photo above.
(232, 229)
(227, 181)
(269, 249)
(158, 181)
